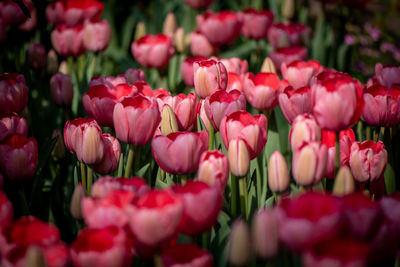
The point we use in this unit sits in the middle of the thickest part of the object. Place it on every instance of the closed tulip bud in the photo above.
(52, 62)
(265, 235)
(140, 30)
(63, 68)
(34, 257)
(239, 157)
(96, 36)
(37, 56)
(344, 182)
(239, 244)
(13, 93)
(213, 168)
(168, 121)
(169, 26)
(209, 76)
(58, 152)
(304, 129)
(288, 9)
(76, 202)
(61, 89)
(268, 66)
(278, 173)
(256, 23)
(179, 40)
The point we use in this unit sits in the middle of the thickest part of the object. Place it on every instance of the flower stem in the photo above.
(137, 159)
(204, 240)
(129, 161)
(211, 137)
(83, 175)
(234, 190)
(243, 195)
(89, 179)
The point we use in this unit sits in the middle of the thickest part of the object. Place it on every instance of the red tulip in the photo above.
(153, 51)
(13, 93)
(222, 103)
(136, 119)
(6, 209)
(37, 56)
(287, 55)
(251, 128)
(235, 82)
(61, 89)
(16, 151)
(107, 184)
(234, 64)
(299, 73)
(209, 76)
(201, 46)
(111, 157)
(187, 69)
(213, 168)
(12, 125)
(199, 4)
(295, 102)
(304, 129)
(101, 247)
(256, 23)
(179, 152)
(219, 28)
(291, 34)
(387, 75)
(262, 90)
(96, 36)
(186, 255)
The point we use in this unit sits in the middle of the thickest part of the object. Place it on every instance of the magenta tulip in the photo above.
(13, 93)
(295, 102)
(61, 89)
(68, 41)
(12, 125)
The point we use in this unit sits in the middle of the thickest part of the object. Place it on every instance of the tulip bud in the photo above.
(278, 173)
(140, 30)
(213, 168)
(239, 157)
(344, 182)
(239, 244)
(37, 56)
(288, 9)
(209, 76)
(63, 68)
(76, 200)
(265, 236)
(96, 36)
(179, 40)
(268, 66)
(168, 121)
(52, 62)
(304, 128)
(58, 152)
(89, 147)
(34, 257)
(169, 26)
(200, 45)
(61, 89)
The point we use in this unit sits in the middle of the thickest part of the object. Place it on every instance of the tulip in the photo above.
(96, 36)
(168, 121)
(188, 145)
(11, 13)
(235, 82)
(387, 75)
(179, 40)
(12, 125)
(169, 26)
(109, 81)
(134, 75)
(76, 202)
(287, 55)
(187, 69)
(61, 89)
(13, 93)
(113, 250)
(307, 219)
(37, 56)
(291, 34)
(153, 51)
(200, 46)
(201, 206)
(288, 9)
(239, 244)
(209, 76)
(69, 131)
(186, 255)
(262, 90)
(382, 106)
(256, 23)
(391, 208)
(107, 184)
(222, 103)
(368, 160)
(68, 41)
(239, 157)
(52, 62)
(234, 64)
(220, 28)
(304, 129)
(202, 114)
(264, 231)
(337, 102)
(299, 73)
(268, 66)
(199, 4)
(213, 168)
(295, 102)
(16, 151)
(6, 209)
(309, 163)
(111, 157)
(344, 182)
(251, 128)
(278, 173)
(100, 100)
(136, 119)
(87, 141)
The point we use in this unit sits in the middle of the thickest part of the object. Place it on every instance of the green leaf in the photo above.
(390, 179)
(143, 170)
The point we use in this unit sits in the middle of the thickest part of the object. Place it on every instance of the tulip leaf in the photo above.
(240, 51)
(390, 179)
(283, 130)
(270, 201)
(142, 171)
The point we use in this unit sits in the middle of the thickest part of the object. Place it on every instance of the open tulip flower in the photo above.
(14, 93)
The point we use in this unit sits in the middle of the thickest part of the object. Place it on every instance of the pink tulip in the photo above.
(213, 168)
(112, 153)
(13, 93)
(265, 233)
(188, 145)
(309, 163)
(136, 119)
(209, 76)
(278, 172)
(287, 55)
(219, 28)
(134, 75)
(201, 46)
(299, 73)
(368, 160)
(387, 75)
(37, 56)
(262, 90)
(382, 106)
(68, 41)
(105, 185)
(100, 100)
(291, 34)
(234, 64)
(295, 102)
(6, 209)
(304, 129)
(199, 4)
(251, 128)
(101, 247)
(187, 69)
(186, 255)
(235, 82)
(153, 51)
(256, 23)
(11, 13)
(70, 128)
(222, 103)
(108, 81)
(201, 206)
(239, 157)
(184, 107)
(61, 89)
(202, 114)
(307, 219)
(96, 36)
(337, 102)
(154, 220)
(16, 151)
(12, 125)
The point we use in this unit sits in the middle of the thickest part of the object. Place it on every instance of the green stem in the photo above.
(129, 161)
(204, 240)
(92, 67)
(259, 179)
(89, 179)
(360, 131)
(162, 175)
(337, 151)
(234, 190)
(211, 137)
(137, 159)
(243, 195)
(83, 175)
(369, 132)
